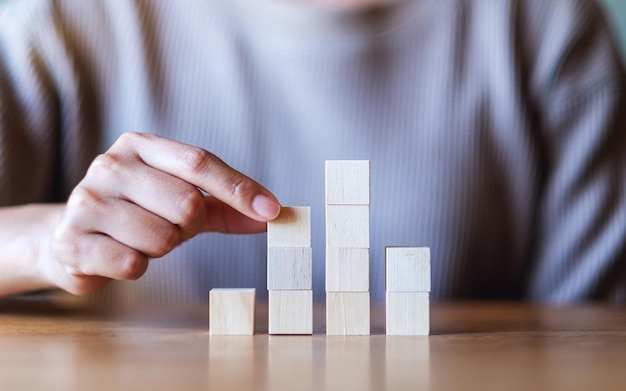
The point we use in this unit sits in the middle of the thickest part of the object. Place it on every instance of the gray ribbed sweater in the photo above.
(495, 129)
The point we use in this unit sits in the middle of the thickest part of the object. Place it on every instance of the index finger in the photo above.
(205, 170)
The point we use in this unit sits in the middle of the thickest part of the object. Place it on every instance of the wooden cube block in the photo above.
(408, 313)
(407, 269)
(289, 268)
(348, 226)
(347, 269)
(290, 312)
(347, 313)
(292, 228)
(347, 182)
(231, 311)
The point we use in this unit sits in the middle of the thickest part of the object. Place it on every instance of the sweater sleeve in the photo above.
(580, 86)
(28, 109)
(50, 120)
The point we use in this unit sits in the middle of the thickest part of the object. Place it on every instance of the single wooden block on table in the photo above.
(347, 182)
(348, 226)
(407, 269)
(290, 312)
(292, 228)
(231, 311)
(347, 269)
(289, 268)
(408, 313)
(347, 313)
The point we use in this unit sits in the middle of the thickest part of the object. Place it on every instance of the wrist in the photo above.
(26, 232)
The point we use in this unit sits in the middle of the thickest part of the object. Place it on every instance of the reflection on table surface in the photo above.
(479, 346)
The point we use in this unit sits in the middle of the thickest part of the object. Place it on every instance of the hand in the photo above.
(140, 200)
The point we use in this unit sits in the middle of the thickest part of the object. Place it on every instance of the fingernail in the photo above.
(265, 207)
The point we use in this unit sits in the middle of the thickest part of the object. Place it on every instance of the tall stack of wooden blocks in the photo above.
(408, 290)
(289, 272)
(347, 247)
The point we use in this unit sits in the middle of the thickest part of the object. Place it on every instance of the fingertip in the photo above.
(266, 207)
(277, 212)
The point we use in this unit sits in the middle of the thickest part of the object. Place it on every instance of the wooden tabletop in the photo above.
(473, 346)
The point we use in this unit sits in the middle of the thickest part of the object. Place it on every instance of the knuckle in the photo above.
(238, 187)
(190, 204)
(129, 138)
(166, 238)
(197, 159)
(82, 198)
(105, 164)
(134, 266)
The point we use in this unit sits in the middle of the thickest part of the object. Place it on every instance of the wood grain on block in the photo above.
(347, 182)
(231, 311)
(292, 228)
(291, 312)
(407, 269)
(348, 226)
(289, 268)
(347, 313)
(408, 313)
(347, 269)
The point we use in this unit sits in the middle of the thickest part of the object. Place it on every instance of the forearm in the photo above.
(25, 237)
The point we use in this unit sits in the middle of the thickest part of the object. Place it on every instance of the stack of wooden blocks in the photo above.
(289, 272)
(347, 247)
(408, 290)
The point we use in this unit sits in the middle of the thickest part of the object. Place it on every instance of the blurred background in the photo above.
(615, 9)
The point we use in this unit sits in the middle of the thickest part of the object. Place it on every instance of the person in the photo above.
(131, 129)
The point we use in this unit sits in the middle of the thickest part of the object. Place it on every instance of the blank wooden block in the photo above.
(291, 312)
(347, 269)
(292, 228)
(347, 182)
(407, 269)
(348, 226)
(289, 268)
(408, 313)
(347, 313)
(231, 311)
